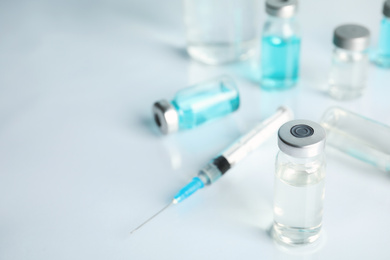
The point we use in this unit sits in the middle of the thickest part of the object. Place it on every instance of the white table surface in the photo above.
(82, 164)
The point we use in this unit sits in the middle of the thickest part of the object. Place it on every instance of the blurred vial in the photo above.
(348, 73)
(280, 46)
(358, 136)
(197, 104)
(299, 183)
(221, 31)
(382, 57)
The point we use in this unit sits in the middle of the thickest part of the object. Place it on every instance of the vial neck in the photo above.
(277, 19)
(301, 160)
(349, 55)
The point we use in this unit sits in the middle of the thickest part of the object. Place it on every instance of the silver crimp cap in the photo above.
(281, 8)
(386, 9)
(301, 138)
(352, 37)
(166, 117)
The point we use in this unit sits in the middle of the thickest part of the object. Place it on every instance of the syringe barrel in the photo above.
(259, 134)
(244, 145)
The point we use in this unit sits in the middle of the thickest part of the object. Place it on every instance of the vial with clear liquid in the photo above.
(197, 104)
(348, 74)
(382, 56)
(358, 136)
(221, 31)
(299, 183)
(280, 46)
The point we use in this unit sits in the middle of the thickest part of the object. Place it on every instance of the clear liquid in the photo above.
(217, 53)
(298, 207)
(383, 55)
(279, 62)
(359, 137)
(348, 74)
(221, 31)
(205, 102)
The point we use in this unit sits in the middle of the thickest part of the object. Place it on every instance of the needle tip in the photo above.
(149, 219)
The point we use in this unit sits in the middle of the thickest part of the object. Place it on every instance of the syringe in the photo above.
(231, 156)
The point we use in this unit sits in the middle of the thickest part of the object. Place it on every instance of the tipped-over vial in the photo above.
(358, 136)
(299, 183)
(348, 73)
(197, 104)
(382, 57)
(280, 46)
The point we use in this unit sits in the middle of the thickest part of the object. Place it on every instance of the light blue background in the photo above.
(81, 163)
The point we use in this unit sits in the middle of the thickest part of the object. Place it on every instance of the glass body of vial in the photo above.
(358, 136)
(221, 31)
(348, 74)
(280, 46)
(299, 183)
(197, 104)
(382, 57)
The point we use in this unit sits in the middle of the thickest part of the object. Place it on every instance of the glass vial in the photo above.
(280, 46)
(382, 57)
(197, 104)
(348, 73)
(358, 136)
(299, 183)
(221, 31)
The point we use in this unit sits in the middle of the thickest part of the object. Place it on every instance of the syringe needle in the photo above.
(149, 219)
(185, 192)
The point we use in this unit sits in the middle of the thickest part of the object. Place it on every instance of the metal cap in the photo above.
(386, 9)
(351, 37)
(281, 8)
(166, 117)
(301, 138)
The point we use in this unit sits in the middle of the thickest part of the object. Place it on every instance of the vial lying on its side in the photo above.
(348, 73)
(382, 56)
(197, 104)
(299, 183)
(358, 136)
(280, 46)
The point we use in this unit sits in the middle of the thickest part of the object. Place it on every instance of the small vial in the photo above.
(280, 46)
(348, 73)
(299, 183)
(197, 104)
(358, 136)
(221, 31)
(382, 57)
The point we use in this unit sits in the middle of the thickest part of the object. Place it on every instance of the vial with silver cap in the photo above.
(382, 56)
(280, 46)
(197, 104)
(348, 73)
(299, 183)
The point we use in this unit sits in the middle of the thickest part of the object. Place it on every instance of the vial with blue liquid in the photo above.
(280, 47)
(382, 56)
(197, 104)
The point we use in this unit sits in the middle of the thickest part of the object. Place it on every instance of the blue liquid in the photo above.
(383, 55)
(204, 102)
(279, 62)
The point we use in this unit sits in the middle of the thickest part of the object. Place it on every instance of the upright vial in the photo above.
(299, 183)
(221, 31)
(280, 46)
(348, 73)
(358, 136)
(382, 57)
(197, 104)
